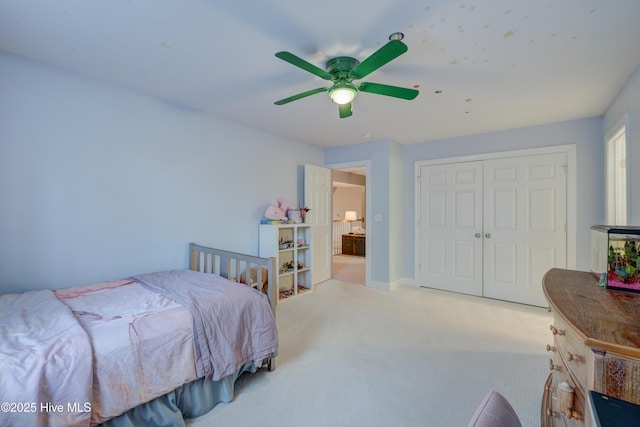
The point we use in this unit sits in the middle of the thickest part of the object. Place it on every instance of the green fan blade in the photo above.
(345, 110)
(394, 91)
(307, 66)
(385, 54)
(301, 95)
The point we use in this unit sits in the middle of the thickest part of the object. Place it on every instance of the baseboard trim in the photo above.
(408, 281)
(387, 287)
(381, 286)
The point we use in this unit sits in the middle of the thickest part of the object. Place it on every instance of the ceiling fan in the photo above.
(342, 70)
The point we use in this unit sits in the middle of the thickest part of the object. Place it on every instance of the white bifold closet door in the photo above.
(493, 227)
(451, 227)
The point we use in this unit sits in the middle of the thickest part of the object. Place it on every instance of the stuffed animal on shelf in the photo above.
(274, 212)
(279, 210)
(285, 207)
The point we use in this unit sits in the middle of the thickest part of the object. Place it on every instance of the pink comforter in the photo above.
(232, 323)
(142, 345)
(45, 363)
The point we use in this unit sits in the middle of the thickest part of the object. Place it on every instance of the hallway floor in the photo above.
(349, 268)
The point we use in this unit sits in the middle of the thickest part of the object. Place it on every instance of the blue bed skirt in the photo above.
(191, 400)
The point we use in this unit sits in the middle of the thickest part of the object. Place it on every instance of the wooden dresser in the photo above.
(596, 346)
(353, 244)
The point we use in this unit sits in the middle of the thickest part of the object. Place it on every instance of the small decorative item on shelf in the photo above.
(294, 217)
(290, 266)
(303, 212)
(285, 244)
(286, 293)
(286, 267)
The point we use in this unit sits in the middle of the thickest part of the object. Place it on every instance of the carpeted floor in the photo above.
(352, 356)
(349, 268)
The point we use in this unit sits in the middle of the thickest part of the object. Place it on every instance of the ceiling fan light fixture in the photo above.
(342, 70)
(342, 93)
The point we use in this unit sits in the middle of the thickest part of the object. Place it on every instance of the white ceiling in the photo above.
(499, 63)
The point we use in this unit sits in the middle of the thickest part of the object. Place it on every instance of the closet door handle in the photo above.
(487, 235)
(478, 235)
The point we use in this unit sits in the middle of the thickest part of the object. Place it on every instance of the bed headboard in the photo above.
(255, 271)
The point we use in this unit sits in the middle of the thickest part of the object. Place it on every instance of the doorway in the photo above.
(349, 234)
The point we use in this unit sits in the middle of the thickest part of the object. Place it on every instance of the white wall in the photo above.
(99, 183)
(628, 102)
(348, 199)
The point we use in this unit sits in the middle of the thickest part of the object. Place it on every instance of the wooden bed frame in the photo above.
(235, 266)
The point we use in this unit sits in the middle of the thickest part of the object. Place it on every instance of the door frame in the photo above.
(572, 187)
(370, 234)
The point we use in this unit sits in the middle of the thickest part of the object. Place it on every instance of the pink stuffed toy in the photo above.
(285, 207)
(275, 213)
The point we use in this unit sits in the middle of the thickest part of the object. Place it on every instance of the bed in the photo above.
(153, 349)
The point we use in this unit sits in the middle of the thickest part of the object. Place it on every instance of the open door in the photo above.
(317, 197)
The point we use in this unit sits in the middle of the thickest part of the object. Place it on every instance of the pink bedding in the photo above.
(45, 363)
(142, 344)
(232, 323)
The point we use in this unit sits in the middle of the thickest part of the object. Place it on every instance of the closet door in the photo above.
(525, 216)
(451, 227)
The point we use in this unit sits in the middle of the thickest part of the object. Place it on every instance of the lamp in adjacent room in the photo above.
(350, 216)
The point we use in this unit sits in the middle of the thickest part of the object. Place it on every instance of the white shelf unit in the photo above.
(290, 245)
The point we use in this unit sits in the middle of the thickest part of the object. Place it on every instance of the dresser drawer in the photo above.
(576, 416)
(572, 351)
(549, 415)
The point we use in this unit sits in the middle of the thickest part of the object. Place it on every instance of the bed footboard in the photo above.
(254, 271)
